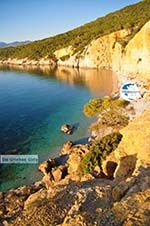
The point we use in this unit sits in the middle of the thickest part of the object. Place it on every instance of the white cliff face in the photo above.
(100, 53)
(107, 52)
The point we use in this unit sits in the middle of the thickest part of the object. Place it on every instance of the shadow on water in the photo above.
(75, 127)
(82, 141)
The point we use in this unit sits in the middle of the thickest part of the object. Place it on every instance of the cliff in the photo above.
(136, 58)
(109, 52)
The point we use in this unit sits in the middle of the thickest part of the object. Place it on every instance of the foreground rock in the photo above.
(12, 201)
(95, 202)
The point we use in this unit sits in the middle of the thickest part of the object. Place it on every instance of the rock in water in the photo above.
(68, 129)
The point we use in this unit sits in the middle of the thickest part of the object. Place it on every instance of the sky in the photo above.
(36, 19)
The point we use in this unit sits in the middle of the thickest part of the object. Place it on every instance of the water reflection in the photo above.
(99, 82)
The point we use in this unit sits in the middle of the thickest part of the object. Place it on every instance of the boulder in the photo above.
(68, 129)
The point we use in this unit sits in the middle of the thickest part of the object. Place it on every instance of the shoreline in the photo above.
(58, 174)
(144, 102)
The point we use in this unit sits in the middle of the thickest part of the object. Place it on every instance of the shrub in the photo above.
(66, 57)
(100, 105)
(98, 152)
(93, 107)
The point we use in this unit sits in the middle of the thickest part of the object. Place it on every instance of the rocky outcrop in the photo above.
(12, 201)
(56, 170)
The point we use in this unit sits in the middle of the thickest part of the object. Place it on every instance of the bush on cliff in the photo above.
(100, 105)
(98, 152)
(111, 112)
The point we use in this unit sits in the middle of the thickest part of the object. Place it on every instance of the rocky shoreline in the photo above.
(115, 193)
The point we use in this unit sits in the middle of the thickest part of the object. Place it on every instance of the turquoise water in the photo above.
(34, 103)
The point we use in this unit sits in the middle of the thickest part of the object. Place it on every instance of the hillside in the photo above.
(133, 17)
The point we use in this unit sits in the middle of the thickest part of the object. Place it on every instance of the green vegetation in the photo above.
(93, 107)
(111, 113)
(66, 57)
(134, 17)
(100, 105)
(98, 152)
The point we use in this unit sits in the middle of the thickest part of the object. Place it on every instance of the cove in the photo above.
(34, 103)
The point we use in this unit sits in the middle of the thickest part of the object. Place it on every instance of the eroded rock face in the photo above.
(59, 173)
(68, 51)
(26, 61)
(47, 166)
(137, 53)
(134, 149)
(103, 52)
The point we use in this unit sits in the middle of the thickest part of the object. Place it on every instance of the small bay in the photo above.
(34, 103)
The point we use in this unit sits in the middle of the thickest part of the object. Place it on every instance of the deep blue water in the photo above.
(34, 103)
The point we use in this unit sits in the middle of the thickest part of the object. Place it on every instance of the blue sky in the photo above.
(36, 19)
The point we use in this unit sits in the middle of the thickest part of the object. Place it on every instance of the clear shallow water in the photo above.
(34, 103)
